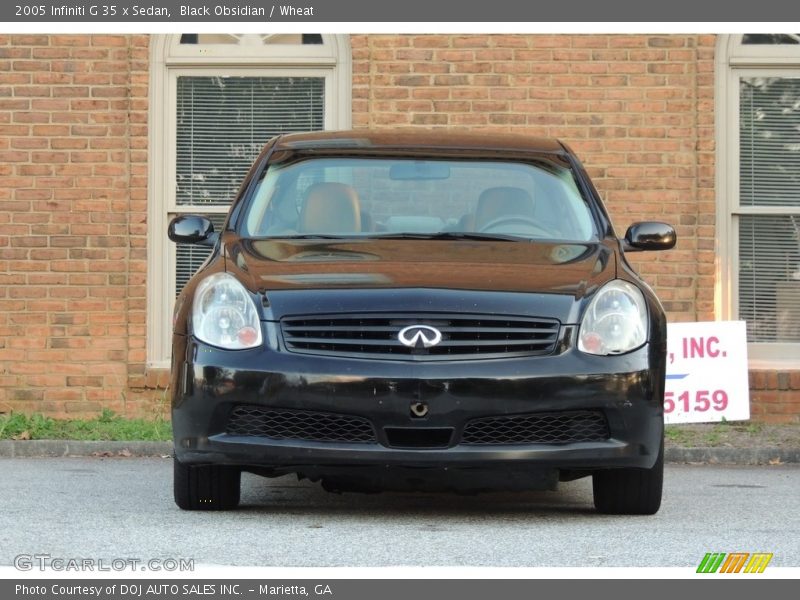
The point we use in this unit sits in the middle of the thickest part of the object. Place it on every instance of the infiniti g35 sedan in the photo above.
(402, 310)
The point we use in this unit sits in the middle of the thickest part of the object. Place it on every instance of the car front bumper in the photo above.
(208, 383)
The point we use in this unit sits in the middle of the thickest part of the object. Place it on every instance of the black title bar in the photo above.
(370, 589)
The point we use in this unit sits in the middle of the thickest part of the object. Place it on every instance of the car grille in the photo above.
(464, 336)
(311, 426)
(538, 428)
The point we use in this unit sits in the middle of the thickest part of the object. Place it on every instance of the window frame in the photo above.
(735, 60)
(169, 60)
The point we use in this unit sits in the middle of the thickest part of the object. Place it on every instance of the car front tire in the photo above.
(206, 487)
(629, 491)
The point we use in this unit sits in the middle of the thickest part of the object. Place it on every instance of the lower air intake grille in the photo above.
(538, 428)
(310, 426)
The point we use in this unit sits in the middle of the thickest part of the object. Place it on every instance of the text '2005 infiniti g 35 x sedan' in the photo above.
(419, 311)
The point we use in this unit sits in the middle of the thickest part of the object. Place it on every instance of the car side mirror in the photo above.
(649, 235)
(192, 229)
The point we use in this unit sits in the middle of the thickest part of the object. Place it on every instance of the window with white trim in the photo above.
(758, 191)
(215, 101)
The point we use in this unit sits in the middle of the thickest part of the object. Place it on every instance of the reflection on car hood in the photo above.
(561, 268)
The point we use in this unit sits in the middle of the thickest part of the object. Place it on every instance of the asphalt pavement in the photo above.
(107, 508)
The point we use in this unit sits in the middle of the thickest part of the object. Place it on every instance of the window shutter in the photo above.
(769, 178)
(769, 142)
(224, 122)
(222, 125)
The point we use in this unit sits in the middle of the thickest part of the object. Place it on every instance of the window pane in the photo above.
(769, 127)
(189, 257)
(771, 38)
(223, 123)
(250, 39)
(769, 277)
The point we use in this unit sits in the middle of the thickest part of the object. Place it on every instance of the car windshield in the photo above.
(430, 199)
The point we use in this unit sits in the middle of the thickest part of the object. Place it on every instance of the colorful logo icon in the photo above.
(734, 562)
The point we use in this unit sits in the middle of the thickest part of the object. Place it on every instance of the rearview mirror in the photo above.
(192, 229)
(419, 170)
(649, 235)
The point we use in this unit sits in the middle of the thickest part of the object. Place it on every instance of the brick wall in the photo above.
(775, 396)
(73, 137)
(73, 180)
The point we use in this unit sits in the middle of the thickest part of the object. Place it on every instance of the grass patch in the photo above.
(700, 435)
(106, 426)
(676, 434)
(735, 434)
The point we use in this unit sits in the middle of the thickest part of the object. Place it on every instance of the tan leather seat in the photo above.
(502, 201)
(331, 208)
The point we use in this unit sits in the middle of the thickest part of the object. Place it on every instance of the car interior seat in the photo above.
(331, 208)
(502, 201)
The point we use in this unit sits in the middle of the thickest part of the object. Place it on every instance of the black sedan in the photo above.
(419, 311)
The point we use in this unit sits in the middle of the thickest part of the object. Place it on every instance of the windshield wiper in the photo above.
(452, 235)
(313, 236)
(438, 235)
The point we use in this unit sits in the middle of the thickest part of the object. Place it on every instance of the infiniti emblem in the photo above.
(419, 336)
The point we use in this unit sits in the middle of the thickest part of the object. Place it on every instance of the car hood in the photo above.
(504, 266)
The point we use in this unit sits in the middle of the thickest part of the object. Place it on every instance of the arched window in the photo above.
(758, 191)
(215, 99)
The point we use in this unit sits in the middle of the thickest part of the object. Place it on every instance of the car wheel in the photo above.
(206, 487)
(629, 491)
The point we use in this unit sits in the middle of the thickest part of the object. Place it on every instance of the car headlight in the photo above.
(615, 320)
(224, 314)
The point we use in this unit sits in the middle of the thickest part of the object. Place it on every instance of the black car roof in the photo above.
(412, 140)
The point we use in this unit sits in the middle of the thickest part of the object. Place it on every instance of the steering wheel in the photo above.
(516, 219)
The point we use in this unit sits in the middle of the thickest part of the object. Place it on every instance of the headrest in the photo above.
(330, 208)
(502, 201)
